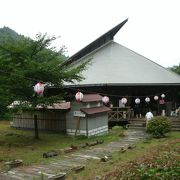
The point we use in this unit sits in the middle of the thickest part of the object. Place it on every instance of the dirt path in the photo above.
(73, 161)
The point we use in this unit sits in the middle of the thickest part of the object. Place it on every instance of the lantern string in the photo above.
(84, 91)
(120, 96)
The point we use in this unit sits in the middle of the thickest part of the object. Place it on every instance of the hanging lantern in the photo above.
(147, 99)
(124, 100)
(163, 96)
(105, 100)
(39, 88)
(79, 96)
(156, 98)
(137, 101)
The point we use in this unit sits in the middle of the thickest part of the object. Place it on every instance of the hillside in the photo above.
(7, 34)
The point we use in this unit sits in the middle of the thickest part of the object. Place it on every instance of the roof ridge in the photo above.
(97, 43)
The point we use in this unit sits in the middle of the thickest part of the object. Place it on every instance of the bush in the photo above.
(159, 126)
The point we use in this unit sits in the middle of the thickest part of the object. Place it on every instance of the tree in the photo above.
(176, 69)
(24, 62)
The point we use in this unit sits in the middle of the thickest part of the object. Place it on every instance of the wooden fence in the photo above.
(54, 120)
(117, 114)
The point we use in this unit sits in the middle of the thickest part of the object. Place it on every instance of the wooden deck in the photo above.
(120, 116)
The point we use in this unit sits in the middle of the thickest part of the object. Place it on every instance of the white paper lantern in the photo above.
(105, 99)
(147, 99)
(39, 88)
(163, 95)
(156, 98)
(124, 100)
(79, 96)
(137, 101)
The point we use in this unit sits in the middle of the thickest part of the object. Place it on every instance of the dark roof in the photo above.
(95, 110)
(108, 36)
(91, 98)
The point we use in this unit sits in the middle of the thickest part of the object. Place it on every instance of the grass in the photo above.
(20, 144)
(145, 152)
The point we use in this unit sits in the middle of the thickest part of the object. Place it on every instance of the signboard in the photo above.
(79, 114)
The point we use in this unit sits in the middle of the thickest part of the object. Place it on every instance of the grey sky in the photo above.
(153, 29)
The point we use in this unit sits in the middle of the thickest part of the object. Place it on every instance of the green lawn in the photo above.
(20, 144)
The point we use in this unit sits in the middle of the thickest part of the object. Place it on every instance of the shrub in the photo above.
(159, 126)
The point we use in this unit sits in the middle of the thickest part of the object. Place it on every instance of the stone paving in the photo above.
(73, 161)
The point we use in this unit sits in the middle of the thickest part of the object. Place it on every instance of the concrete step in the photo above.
(175, 129)
(137, 127)
(175, 126)
(137, 122)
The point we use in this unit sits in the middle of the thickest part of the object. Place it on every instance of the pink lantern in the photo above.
(147, 99)
(163, 96)
(39, 88)
(124, 100)
(137, 101)
(105, 100)
(79, 96)
(156, 98)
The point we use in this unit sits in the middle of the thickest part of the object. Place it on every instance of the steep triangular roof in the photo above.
(114, 64)
(105, 38)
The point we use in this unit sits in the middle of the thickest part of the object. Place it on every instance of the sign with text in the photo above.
(79, 114)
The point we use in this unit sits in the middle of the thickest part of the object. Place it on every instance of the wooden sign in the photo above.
(79, 114)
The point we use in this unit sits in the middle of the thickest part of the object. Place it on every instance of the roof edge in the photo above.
(123, 84)
(103, 39)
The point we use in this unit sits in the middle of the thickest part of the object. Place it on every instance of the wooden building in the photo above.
(117, 72)
(52, 118)
(88, 117)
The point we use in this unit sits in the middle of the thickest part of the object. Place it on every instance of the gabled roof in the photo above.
(106, 37)
(95, 110)
(114, 64)
(91, 98)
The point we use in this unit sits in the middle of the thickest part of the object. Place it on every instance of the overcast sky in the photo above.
(153, 28)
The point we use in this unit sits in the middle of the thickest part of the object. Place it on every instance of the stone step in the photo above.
(137, 127)
(175, 125)
(86, 156)
(20, 175)
(175, 129)
(137, 120)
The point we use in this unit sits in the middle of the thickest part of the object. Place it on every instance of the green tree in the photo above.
(176, 69)
(24, 62)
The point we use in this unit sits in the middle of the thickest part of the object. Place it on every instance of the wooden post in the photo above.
(36, 133)
(77, 125)
(87, 134)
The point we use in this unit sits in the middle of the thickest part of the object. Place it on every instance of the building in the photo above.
(88, 117)
(120, 72)
(51, 118)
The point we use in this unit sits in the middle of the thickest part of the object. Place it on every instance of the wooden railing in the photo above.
(117, 113)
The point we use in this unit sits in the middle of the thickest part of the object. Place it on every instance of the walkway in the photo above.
(74, 160)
